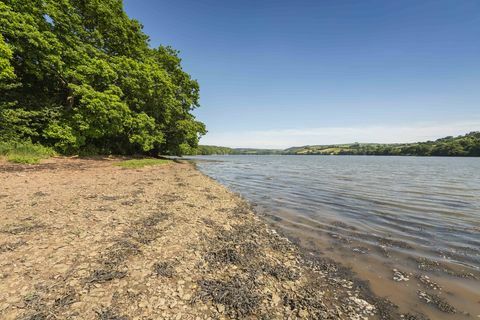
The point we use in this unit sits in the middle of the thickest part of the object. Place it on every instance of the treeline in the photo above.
(211, 150)
(215, 150)
(466, 146)
(252, 151)
(80, 76)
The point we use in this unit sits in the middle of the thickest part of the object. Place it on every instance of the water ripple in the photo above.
(432, 203)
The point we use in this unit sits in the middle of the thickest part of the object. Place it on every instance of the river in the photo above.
(417, 216)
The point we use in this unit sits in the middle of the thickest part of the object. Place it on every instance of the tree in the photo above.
(79, 75)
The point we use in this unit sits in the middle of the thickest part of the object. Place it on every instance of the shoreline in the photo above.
(331, 207)
(84, 239)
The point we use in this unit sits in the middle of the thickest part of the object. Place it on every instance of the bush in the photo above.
(25, 152)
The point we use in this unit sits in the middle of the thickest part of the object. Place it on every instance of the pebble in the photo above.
(400, 276)
(303, 314)
(221, 308)
(276, 299)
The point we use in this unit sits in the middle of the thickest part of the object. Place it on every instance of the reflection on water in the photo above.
(420, 216)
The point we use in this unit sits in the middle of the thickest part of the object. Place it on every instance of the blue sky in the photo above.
(283, 73)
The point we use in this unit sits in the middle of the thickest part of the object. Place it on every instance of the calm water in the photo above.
(375, 214)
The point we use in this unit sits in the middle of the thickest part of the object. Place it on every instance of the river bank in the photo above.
(85, 239)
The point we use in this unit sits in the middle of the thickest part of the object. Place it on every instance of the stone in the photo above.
(221, 308)
(276, 299)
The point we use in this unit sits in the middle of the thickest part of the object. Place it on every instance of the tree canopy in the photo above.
(79, 75)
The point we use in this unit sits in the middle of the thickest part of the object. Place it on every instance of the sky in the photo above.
(276, 74)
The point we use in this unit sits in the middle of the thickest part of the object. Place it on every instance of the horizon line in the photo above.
(375, 134)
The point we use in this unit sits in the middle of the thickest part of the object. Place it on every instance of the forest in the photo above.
(79, 77)
(464, 146)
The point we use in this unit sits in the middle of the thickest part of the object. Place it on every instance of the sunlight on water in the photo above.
(374, 214)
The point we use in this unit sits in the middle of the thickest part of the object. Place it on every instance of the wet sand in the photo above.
(85, 239)
(429, 288)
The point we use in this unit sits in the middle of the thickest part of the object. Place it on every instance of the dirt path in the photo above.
(84, 239)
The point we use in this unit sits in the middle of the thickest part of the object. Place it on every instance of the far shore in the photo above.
(89, 239)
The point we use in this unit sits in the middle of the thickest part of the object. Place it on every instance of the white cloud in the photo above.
(281, 139)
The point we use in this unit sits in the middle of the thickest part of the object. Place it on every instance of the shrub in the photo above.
(25, 152)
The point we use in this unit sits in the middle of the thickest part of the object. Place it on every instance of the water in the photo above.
(375, 214)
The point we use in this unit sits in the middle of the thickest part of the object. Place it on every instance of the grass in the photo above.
(140, 163)
(25, 152)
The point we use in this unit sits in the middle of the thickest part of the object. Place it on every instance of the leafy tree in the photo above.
(79, 75)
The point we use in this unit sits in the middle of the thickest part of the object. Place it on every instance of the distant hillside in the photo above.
(467, 145)
(211, 150)
(215, 150)
(257, 151)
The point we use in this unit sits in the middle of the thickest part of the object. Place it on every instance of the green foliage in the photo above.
(214, 150)
(466, 145)
(210, 150)
(79, 75)
(140, 163)
(6, 70)
(25, 152)
(256, 151)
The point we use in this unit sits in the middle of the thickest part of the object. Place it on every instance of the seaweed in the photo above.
(235, 246)
(280, 272)
(109, 314)
(35, 316)
(119, 252)
(22, 228)
(209, 222)
(163, 269)
(37, 307)
(410, 316)
(425, 264)
(105, 275)
(67, 297)
(111, 198)
(437, 301)
(307, 299)
(238, 296)
(40, 194)
(212, 197)
(427, 282)
(111, 262)
(143, 231)
(224, 256)
(242, 208)
(386, 309)
(152, 220)
(11, 246)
